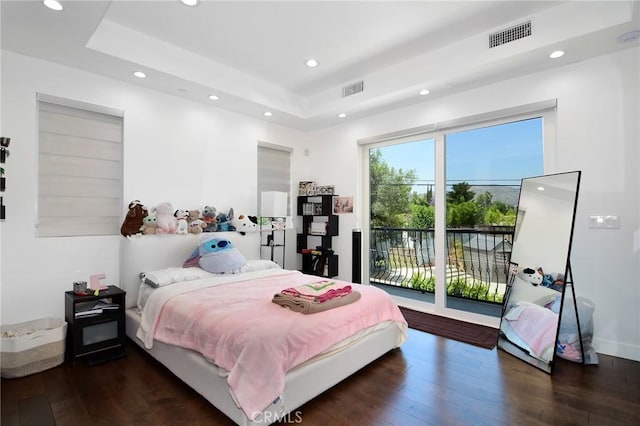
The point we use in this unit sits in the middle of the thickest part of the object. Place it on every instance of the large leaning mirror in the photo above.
(540, 269)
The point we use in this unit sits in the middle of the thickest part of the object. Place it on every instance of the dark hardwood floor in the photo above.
(429, 381)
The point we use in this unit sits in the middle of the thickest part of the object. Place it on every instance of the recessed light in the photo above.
(556, 54)
(267, 114)
(140, 74)
(342, 115)
(424, 92)
(214, 97)
(540, 188)
(189, 2)
(53, 5)
(311, 63)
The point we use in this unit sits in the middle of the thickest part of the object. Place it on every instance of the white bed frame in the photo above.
(303, 383)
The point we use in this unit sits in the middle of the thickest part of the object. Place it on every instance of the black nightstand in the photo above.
(95, 332)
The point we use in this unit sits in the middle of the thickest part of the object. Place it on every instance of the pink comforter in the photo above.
(535, 325)
(238, 328)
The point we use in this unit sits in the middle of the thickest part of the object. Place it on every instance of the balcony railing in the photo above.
(477, 261)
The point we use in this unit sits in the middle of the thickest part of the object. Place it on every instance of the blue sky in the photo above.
(492, 155)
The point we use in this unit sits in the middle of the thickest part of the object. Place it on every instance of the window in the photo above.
(443, 236)
(79, 168)
(274, 170)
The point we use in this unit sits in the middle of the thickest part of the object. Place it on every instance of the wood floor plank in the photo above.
(429, 381)
(35, 411)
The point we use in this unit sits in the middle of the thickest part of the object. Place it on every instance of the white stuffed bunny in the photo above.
(167, 222)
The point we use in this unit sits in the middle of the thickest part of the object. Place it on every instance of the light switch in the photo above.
(604, 222)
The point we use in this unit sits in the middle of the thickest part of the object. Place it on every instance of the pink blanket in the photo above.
(238, 328)
(319, 291)
(535, 325)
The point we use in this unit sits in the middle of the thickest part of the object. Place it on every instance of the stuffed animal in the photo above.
(244, 224)
(196, 226)
(554, 280)
(149, 225)
(133, 220)
(530, 275)
(182, 225)
(224, 221)
(209, 219)
(216, 255)
(193, 215)
(167, 222)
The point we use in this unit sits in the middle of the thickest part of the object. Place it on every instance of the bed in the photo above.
(528, 322)
(302, 379)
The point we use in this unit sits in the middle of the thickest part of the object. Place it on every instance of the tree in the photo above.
(422, 217)
(460, 193)
(462, 215)
(390, 192)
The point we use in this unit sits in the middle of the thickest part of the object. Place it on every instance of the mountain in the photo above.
(506, 194)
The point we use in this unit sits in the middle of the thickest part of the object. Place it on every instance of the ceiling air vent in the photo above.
(352, 89)
(510, 34)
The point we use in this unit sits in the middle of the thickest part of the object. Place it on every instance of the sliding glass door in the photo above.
(402, 217)
(441, 210)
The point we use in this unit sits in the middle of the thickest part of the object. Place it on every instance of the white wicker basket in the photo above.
(31, 347)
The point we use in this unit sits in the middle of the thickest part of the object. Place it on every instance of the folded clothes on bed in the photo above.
(306, 306)
(320, 291)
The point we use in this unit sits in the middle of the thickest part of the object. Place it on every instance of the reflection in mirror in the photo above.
(540, 267)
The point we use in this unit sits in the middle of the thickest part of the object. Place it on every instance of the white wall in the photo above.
(174, 150)
(597, 132)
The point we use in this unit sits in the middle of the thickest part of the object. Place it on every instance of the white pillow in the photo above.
(172, 275)
(259, 265)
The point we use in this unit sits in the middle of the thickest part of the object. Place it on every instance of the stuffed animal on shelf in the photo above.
(224, 221)
(244, 224)
(530, 275)
(193, 215)
(149, 224)
(133, 220)
(196, 226)
(209, 219)
(167, 222)
(181, 218)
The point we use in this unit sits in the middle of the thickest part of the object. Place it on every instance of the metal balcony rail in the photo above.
(477, 260)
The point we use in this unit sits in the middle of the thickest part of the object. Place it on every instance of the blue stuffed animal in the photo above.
(223, 221)
(216, 255)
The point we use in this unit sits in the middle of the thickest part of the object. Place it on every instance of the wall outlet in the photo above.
(604, 222)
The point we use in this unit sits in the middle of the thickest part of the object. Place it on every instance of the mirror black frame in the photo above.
(503, 342)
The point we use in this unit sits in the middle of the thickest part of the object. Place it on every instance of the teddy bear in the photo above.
(182, 225)
(196, 226)
(149, 224)
(224, 221)
(244, 223)
(530, 275)
(209, 219)
(167, 222)
(133, 220)
(193, 215)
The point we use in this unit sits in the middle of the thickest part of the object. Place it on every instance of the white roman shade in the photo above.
(79, 169)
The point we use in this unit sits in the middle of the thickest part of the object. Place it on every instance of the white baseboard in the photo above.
(617, 349)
